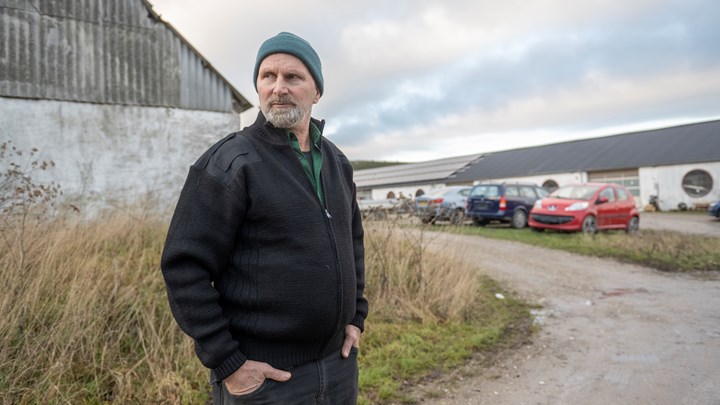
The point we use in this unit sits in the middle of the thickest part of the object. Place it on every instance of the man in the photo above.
(264, 258)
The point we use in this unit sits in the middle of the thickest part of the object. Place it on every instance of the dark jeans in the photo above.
(332, 380)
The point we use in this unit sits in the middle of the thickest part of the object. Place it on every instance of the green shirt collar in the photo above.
(312, 169)
(314, 136)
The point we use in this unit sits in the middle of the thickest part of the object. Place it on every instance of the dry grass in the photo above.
(668, 251)
(409, 283)
(429, 313)
(661, 249)
(85, 317)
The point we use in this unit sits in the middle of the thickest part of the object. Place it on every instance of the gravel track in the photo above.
(611, 333)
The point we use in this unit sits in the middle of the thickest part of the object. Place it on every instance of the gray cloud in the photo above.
(407, 69)
(491, 78)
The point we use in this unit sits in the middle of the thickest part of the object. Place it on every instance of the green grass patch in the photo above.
(397, 355)
(662, 250)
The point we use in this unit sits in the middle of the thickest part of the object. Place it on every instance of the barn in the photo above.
(680, 165)
(410, 180)
(111, 93)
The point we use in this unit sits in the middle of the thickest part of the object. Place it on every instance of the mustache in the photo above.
(280, 99)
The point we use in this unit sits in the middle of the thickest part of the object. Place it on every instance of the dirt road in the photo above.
(611, 333)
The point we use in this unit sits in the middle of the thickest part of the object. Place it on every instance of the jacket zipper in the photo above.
(333, 243)
(338, 270)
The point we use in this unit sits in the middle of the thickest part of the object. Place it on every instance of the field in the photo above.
(86, 319)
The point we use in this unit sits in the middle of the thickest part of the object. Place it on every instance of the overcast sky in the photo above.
(426, 79)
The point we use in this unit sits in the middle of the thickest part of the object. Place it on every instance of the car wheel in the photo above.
(519, 219)
(589, 225)
(479, 222)
(633, 225)
(457, 217)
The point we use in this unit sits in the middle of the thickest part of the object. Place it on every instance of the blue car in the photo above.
(714, 210)
(508, 203)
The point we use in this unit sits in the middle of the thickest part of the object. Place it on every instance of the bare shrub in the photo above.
(24, 201)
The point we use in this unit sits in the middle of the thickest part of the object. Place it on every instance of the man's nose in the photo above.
(280, 87)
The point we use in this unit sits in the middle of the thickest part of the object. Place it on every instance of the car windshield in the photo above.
(486, 191)
(575, 192)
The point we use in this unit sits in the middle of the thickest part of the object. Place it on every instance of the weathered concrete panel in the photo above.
(112, 153)
(111, 52)
(19, 39)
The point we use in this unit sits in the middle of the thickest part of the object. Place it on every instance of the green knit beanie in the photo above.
(292, 44)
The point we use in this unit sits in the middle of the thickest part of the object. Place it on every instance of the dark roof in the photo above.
(691, 143)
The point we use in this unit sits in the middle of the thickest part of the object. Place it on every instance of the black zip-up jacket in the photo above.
(256, 266)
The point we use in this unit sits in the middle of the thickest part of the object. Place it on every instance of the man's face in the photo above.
(287, 91)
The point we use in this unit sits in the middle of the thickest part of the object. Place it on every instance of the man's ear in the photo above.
(317, 96)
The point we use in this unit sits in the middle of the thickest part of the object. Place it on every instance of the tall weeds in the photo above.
(406, 283)
(85, 319)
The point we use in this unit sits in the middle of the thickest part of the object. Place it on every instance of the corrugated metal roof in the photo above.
(434, 170)
(692, 143)
(113, 52)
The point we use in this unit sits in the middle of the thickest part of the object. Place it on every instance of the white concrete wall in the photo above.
(649, 185)
(561, 179)
(106, 155)
(407, 191)
(666, 182)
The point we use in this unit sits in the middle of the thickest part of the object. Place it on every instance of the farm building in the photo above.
(409, 180)
(680, 165)
(111, 93)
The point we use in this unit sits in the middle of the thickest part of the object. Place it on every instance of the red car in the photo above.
(586, 207)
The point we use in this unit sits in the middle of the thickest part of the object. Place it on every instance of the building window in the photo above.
(550, 185)
(628, 178)
(390, 195)
(697, 183)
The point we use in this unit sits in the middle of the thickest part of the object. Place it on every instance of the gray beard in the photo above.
(283, 118)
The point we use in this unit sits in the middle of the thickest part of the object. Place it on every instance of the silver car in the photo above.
(443, 204)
